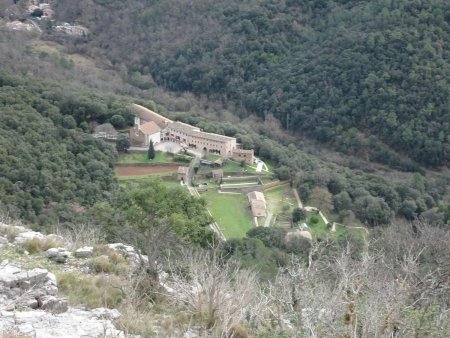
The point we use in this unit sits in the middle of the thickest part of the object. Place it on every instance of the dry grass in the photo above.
(91, 291)
(112, 263)
(36, 245)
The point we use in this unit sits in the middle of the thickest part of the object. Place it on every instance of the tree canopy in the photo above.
(365, 77)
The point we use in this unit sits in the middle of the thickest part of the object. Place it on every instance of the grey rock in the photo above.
(104, 313)
(28, 235)
(59, 255)
(3, 240)
(53, 304)
(84, 252)
(33, 289)
(74, 323)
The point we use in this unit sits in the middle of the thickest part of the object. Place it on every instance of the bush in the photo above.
(91, 291)
(182, 158)
(36, 245)
(237, 331)
(314, 219)
(113, 262)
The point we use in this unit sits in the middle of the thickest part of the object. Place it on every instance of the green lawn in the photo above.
(318, 229)
(232, 166)
(278, 198)
(211, 157)
(142, 158)
(230, 213)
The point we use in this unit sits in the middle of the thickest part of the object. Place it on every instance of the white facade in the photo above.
(156, 138)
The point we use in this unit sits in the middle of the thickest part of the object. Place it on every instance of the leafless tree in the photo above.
(215, 290)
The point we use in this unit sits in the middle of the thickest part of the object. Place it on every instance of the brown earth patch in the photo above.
(136, 171)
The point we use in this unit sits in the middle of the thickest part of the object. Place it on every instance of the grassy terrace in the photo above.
(230, 212)
(232, 166)
(279, 197)
(142, 158)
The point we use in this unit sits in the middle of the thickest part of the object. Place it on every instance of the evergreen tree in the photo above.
(297, 215)
(123, 143)
(151, 151)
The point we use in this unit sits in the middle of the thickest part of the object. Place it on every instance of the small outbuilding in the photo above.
(106, 131)
(182, 173)
(257, 203)
(243, 155)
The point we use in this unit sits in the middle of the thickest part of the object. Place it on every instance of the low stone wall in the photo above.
(244, 189)
(273, 185)
(240, 178)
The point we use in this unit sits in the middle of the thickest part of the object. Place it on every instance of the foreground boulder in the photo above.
(21, 289)
(74, 323)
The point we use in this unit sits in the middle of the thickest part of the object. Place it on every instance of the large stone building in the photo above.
(192, 137)
(184, 134)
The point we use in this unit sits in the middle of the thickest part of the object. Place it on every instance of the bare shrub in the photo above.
(215, 291)
(82, 235)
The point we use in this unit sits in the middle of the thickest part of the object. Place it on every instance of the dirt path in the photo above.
(135, 171)
(299, 202)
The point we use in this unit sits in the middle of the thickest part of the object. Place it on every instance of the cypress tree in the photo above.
(151, 151)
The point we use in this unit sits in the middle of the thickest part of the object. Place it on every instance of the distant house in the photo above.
(257, 203)
(243, 155)
(106, 131)
(141, 134)
(182, 173)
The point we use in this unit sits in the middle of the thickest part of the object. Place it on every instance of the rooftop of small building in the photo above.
(149, 128)
(256, 195)
(243, 151)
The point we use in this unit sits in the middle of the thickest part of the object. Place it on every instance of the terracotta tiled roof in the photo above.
(256, 195)
(258, 208)
(148, 115)
(150, 128)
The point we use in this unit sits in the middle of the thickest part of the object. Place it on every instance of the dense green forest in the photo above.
(364, 77)
(49, 161)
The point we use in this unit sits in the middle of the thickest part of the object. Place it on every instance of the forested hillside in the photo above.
(364, 77)
(48, 160)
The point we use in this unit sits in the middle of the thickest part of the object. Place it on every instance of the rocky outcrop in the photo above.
(34, 289)
(134, 257)
(29, 302)
(74, 323)
(42, 313)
